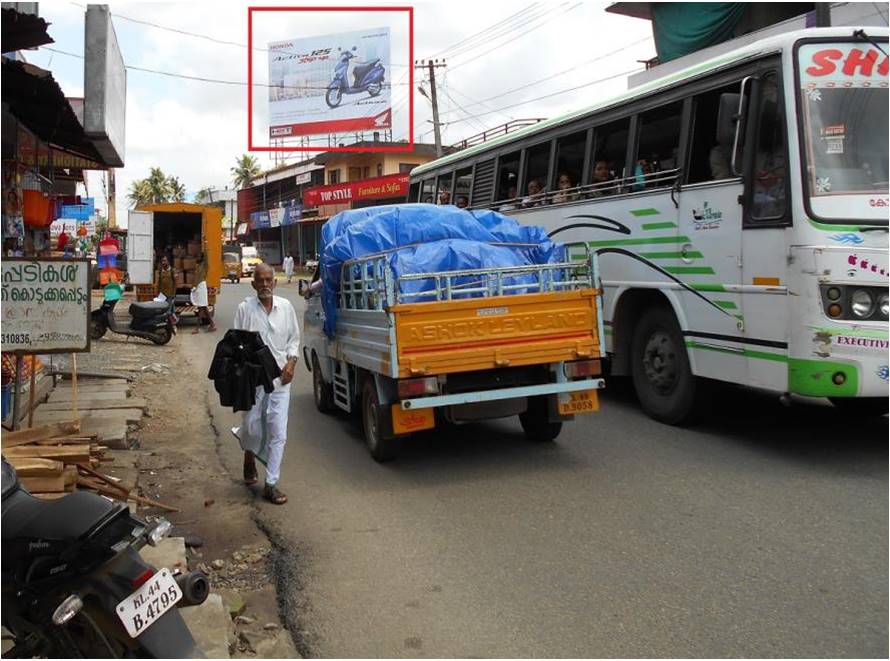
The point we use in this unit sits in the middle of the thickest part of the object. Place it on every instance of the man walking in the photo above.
(264, 429)
(289, 267)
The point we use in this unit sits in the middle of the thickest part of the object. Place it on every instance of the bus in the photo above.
(739, 209)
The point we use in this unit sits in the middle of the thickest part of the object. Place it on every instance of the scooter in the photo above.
(75, 586)
(151, 320)
(367, 77)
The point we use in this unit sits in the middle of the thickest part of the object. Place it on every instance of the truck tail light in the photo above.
(583, 368)
(413, 387)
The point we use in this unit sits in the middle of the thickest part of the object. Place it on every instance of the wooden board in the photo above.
(36, 466)
(88, 404)
(66, 453)
(11, 439)
(124, 415)
(44, 483)
(59, 396)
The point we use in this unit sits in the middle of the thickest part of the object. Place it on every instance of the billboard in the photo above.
(330, 84)
(105, 86)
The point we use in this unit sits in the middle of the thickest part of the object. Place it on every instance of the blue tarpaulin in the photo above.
(422, 238)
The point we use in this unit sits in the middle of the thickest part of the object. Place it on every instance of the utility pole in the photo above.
(432, 65)
(112, 202)
(823, 14)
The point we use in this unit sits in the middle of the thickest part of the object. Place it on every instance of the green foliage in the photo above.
(246, 168)
(156, 188)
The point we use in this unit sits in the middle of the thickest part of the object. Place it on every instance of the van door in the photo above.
(140, 247)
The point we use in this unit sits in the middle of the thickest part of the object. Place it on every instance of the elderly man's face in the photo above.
(264, 281)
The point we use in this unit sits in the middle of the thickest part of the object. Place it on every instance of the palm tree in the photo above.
(245, 170)
(139, 194)
(204, 196)
(177, 189)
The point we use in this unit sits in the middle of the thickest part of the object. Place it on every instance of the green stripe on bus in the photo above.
(689, 270)
(726, 305)
(639, 242)
(671, 255)
(706, 286)
(658, 226)
(645, 212)
(747, 353)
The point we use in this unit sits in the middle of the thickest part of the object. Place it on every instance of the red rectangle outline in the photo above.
(402, 149)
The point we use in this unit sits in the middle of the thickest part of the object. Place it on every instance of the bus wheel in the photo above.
(866, 407)
(382, 449)
(535, 422)
(662, 376)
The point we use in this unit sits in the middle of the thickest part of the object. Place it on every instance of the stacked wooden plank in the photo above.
(55, 459)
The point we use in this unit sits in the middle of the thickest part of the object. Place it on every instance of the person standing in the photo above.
(200, 296)
(165, 283)
(263, 432)
(289, 267)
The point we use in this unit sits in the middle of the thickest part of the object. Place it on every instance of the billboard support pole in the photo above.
(432, 65)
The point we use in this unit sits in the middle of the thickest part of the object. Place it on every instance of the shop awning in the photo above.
(21, 31)
(37, 101)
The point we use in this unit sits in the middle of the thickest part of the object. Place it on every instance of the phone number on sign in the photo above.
(17, 338)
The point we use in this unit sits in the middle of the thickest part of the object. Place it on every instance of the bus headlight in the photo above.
(882, 305)
(862, 303)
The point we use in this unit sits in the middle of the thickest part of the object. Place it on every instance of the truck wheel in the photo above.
(98, 327)
(382, 449)
(663, 380)
(535, 421)
(321, 391)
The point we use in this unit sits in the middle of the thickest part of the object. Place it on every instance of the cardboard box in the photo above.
(177, 262)
(188, 263)
(194, 248)
(190, 278)
(178, 278)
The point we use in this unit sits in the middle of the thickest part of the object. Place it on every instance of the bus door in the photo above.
(766, 222)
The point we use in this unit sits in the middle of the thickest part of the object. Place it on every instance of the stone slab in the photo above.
(169, 553)
(125, 415)
(89, 381)
(66, 395)
(208, 622)
(91, 404)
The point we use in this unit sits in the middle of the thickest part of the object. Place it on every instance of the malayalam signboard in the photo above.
(330, 84)
(46, 305)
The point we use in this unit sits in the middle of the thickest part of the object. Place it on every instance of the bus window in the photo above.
(569, 165)
(484, 183)
(508, 176)
(768, 182)
(537, 170)
(444, 189)
(658, 146)
(414, 192)
(462, 187)
(427, 190)
(709, 160)
(607, 161)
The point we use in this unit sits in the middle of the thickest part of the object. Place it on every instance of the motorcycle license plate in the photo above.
(146, 606)
(574, 403)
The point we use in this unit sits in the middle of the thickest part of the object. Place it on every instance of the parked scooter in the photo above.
(367, 77)
(151, 320)
(74, 584)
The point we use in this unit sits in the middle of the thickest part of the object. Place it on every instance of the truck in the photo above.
(166, 229)
(411, 350)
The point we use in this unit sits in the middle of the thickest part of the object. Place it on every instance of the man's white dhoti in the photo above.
(264, 430)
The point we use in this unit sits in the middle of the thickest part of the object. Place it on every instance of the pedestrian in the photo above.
(200, 295)
(165, 282)
(263, 432)
(289, 267)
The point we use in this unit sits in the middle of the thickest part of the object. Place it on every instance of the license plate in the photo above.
(574, 403)
(146, 606)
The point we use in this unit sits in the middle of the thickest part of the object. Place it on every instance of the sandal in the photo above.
(250, 474)
(273, 495)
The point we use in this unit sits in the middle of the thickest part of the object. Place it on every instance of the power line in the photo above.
(441, 53)
(506, 28)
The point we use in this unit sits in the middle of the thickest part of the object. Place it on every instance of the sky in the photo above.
(500, 57)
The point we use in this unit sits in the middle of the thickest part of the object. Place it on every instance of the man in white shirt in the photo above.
(288, 267)
(263, 433)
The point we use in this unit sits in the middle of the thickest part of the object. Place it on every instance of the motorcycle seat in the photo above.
(147, 309)
(361, 69)
(71, 517)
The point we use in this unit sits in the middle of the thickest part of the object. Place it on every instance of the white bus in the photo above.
(739, 208)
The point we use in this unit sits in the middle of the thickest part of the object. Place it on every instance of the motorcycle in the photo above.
(152, 320)
(367, 77)
(75, 586)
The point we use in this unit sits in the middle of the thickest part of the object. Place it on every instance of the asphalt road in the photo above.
(761, 532)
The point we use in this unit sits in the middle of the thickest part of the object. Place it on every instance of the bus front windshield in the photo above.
(843, 101)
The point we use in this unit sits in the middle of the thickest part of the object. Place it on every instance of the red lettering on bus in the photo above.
(825, 63)
(865, 62)
(823, 60)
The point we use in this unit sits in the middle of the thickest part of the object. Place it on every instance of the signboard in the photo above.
(304, 178)
(105, 86)
(394, 185)
(330, 84)
(46, 305)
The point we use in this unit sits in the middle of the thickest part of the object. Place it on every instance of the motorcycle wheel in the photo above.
(162, 336)
(333, 97)
(98, 327)
(374, 89)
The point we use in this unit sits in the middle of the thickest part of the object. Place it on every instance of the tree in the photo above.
(177, 189)
(139, 194)
(245, 170)
(158, 186)
(204, 196)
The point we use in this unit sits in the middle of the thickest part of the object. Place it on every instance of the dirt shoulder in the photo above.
(180, 466)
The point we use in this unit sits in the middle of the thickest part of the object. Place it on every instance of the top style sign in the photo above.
(330, 84)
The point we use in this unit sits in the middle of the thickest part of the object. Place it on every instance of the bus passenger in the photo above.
(601, 178)
(564, 184)
(462, 202)
(535, 197)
